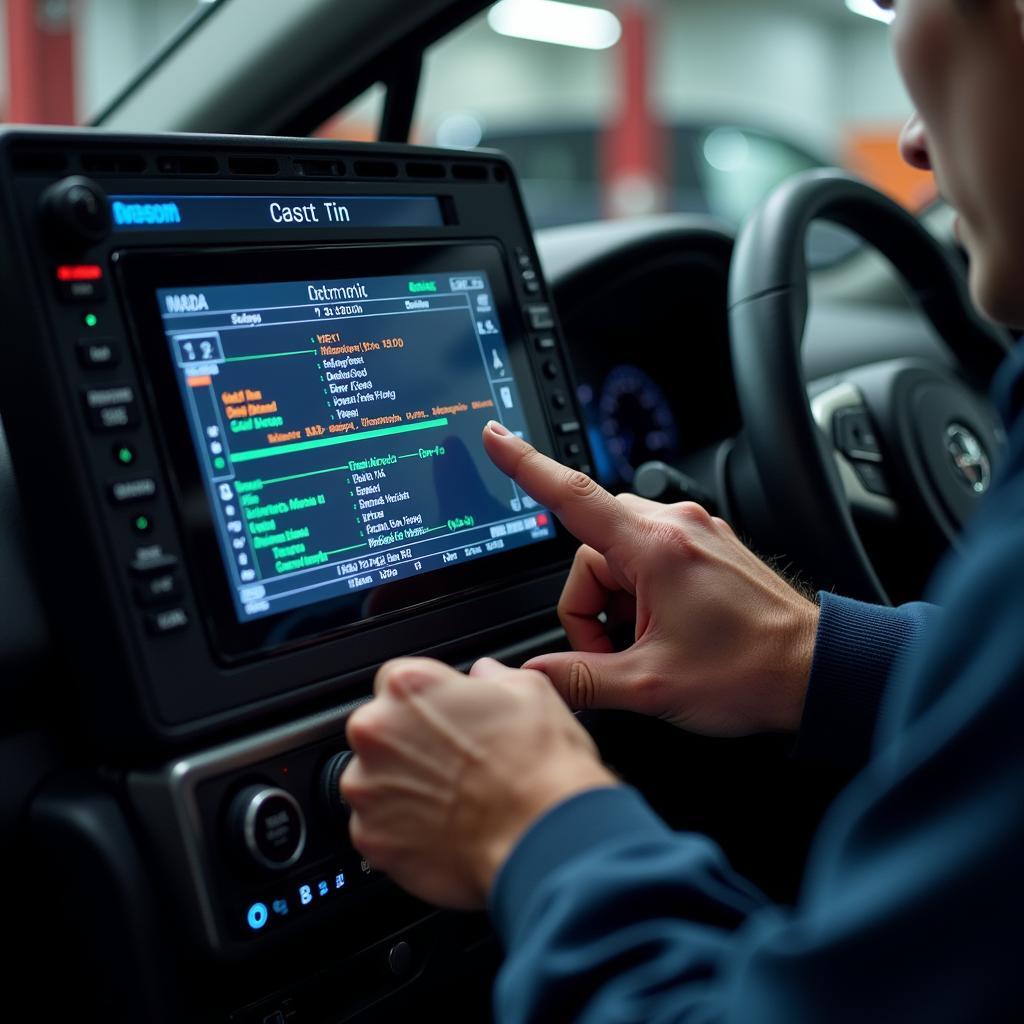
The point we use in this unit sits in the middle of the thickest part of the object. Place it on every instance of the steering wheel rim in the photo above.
(768, 304)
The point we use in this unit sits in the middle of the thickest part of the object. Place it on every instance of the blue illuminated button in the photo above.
(257, 916)
(280, 907)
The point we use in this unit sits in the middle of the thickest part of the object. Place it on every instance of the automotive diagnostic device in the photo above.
(243, 385)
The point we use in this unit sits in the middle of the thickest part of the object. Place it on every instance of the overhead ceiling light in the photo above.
(869, 9)
(550, 21)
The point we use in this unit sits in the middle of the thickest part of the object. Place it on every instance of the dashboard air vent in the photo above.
(39, 163)
(252, 165)
(469, 172)
(171, 164)
(376, 169)
(319, 168)
(113, 163)
(419, 170)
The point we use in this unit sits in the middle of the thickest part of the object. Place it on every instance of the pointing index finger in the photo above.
(586, 509)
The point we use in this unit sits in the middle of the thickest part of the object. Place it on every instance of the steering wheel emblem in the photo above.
(969, 458)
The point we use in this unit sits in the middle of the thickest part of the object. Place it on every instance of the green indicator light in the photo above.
(91, 319)
(141, 524)
(219, 463)
(416, 287)
(125, 456)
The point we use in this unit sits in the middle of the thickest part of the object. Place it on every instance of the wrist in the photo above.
(520, 815)
(798, 638)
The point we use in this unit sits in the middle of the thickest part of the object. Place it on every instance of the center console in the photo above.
(243, 385)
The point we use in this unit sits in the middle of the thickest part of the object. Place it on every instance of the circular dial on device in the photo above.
(269, 824)
(330, 791)
(636, 420)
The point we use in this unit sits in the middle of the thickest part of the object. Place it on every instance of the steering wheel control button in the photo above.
(330, 791)
(269, 826)
(97, 353)
(540, 317)
(128, 492)
(855, 436)
(559, 400)
(256, 916)
(111, 408)
(971, 464)
(169, 621)
(551, 369)
(872, 478)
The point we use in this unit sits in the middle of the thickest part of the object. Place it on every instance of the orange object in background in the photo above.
(876, 157)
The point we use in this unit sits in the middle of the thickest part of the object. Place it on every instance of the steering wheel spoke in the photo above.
(844, 419)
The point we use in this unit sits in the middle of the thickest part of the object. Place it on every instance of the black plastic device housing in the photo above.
(144, 691)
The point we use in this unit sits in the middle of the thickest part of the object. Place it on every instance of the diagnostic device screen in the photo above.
(337, 425)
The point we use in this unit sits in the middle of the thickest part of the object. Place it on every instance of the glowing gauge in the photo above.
(636, 419)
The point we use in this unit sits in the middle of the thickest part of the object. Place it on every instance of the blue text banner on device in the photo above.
(232, 213)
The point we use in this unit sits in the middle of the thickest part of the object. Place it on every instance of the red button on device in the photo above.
(80, 272)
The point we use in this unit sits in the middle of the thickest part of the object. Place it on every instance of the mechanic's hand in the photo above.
(723, 645)
(450, 770)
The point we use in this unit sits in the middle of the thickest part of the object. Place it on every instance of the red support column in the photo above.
(633, 154)
(40, 58)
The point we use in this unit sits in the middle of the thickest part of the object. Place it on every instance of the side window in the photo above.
(358, 121)
(737, 169)
(543, 103)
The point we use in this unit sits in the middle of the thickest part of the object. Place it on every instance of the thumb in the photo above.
(487, 668)
(589, 680)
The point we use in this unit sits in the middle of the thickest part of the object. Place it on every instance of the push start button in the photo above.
(269, 824)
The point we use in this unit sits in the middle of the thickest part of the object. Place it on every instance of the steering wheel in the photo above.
(906, 439)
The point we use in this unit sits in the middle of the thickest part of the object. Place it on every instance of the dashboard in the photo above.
(243, 407)
(654, 369)
(649, 338)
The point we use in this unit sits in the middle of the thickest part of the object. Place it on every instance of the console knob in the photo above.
(269, 825)
(75, 209)
(330, 780)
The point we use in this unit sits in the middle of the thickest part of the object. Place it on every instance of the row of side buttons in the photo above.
(569, 432)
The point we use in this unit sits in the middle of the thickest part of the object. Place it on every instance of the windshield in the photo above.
(629, 108)
(61, 61)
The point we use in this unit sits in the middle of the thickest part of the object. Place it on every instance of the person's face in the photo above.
(963, 65)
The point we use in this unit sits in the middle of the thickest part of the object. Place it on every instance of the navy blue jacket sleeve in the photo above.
(856, 650)
(912, 900)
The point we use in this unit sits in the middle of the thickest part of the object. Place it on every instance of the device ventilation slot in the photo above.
(170, 164)
(376, 169)
(39, 163)
(262, 165)
(469, 172)
(113, 163)
(421, 170)
(319, 168)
